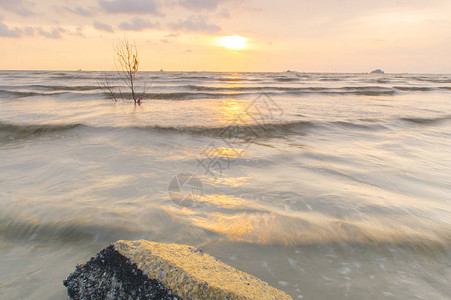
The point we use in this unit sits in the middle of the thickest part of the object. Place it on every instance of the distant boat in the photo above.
(161, 70)
(378, 71)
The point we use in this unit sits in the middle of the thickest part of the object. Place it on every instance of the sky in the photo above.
(398, 36)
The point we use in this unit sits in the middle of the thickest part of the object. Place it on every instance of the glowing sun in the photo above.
(234, 42)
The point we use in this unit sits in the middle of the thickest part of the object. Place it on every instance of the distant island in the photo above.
(378, 71)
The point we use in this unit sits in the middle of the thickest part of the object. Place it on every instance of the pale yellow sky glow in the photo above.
(234, 42)
(307, 36)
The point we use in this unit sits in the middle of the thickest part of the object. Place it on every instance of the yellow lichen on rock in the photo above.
(192, 274)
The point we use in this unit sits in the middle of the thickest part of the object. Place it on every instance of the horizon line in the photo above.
(206, 71)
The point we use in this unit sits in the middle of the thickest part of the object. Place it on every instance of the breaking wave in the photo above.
(64, 88)
(428, 121)
(13, 132)
(254, 130)
(199, 91)
(16, 94)
(414, 88)
(262, 227)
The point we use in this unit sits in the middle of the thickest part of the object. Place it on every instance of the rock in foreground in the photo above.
(148, 270)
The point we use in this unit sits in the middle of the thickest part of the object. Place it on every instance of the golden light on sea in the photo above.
(234, 42)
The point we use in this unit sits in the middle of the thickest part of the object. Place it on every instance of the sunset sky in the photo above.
(306, 36)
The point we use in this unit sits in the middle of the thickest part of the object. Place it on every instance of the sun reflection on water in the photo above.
(230, 110)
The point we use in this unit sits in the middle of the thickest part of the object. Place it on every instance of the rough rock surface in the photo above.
(148, 270)
(109, 275)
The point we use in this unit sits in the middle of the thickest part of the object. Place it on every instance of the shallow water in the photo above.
(324, 185)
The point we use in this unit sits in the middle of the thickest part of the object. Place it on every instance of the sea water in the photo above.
(327, 186)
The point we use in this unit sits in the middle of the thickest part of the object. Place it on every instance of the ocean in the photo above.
(327, 186)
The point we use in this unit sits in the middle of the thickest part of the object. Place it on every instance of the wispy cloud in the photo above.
(195, 24)
(138, 24)
(5, 31)
(224, 14)
(79, 32)
(103, 27)
(85, 12)
(201, 4)
(54, 33)
(20, 7)
(130, 6)
(51, 33)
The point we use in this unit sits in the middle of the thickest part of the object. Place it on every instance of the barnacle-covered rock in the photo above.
(149, 270)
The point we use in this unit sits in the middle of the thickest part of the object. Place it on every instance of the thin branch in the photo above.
(105, 84)
(126, 65)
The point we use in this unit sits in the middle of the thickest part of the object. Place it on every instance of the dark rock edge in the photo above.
(110, 275)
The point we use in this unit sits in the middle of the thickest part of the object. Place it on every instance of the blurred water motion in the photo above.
(328, 186)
